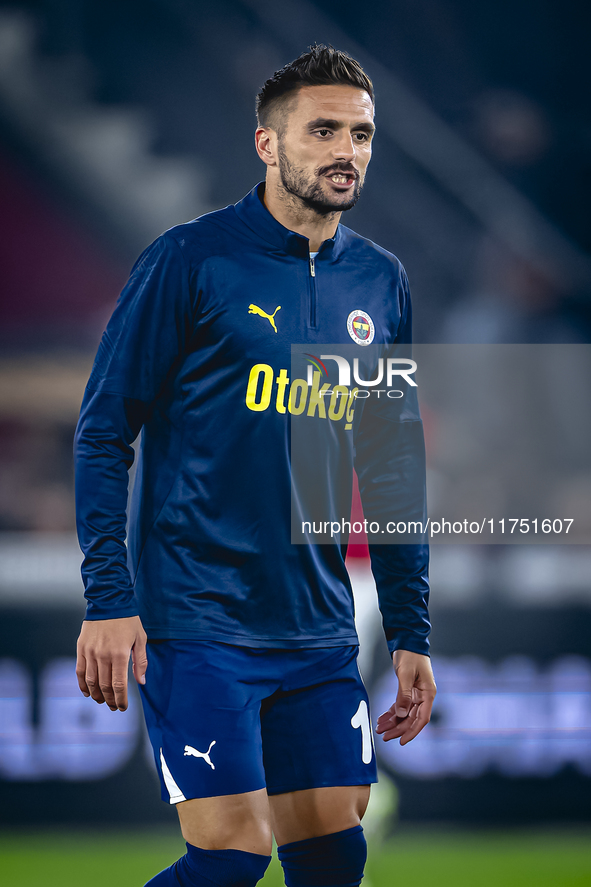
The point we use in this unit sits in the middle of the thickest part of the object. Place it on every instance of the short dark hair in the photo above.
(321, 66)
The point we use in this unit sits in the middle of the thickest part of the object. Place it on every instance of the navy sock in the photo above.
(213, 868)
(329, 861)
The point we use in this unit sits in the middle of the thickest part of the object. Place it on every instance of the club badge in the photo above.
(361, 327)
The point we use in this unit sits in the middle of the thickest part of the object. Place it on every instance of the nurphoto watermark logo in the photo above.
(388, 370)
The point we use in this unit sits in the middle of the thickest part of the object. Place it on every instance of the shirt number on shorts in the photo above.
(361, 719)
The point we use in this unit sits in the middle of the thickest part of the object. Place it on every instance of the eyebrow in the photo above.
(327, 123)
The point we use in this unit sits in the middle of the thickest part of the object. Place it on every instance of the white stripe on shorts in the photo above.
(176, 795)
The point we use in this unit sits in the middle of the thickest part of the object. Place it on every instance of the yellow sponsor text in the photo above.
(265, 390)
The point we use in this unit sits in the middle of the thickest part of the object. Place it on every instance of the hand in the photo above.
(103, 654)
(416, 692)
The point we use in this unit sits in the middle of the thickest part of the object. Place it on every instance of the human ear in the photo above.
(265, 140)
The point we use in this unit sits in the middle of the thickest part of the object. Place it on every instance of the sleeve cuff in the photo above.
(411, 642)
(96, 613)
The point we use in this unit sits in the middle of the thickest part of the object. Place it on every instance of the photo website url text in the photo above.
(488, 525)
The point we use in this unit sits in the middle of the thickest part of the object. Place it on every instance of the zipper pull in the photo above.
(312, 269)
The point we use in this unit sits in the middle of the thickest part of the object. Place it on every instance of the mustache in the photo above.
(337, 168)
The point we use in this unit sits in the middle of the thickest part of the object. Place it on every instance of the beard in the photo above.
(309, 188)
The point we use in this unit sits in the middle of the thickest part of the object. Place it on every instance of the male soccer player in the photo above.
(252, 697)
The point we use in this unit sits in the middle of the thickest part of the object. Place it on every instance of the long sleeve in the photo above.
(390, 464)
(140, 348)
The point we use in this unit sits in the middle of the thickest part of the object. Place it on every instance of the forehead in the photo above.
(337, 102)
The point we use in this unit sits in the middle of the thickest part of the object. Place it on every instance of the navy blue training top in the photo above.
(196, 357)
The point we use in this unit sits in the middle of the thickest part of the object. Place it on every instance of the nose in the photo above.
(344, 147)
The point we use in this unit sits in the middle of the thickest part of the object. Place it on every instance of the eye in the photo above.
(362, 136)
(323, 132)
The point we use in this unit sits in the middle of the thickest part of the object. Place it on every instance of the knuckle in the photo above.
(120, 655)
(102, 656)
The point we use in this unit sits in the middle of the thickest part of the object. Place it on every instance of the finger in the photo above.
(409, 727)
(401, 727)
(387, 715)
(404, 698)
(81, 674)
(423, 718)
(92, 681)
(392, 724)
(385, 720)
(395, 723)
(389, 720)
(422, 721)
(105, 683)
(139, 658)
(119, 682)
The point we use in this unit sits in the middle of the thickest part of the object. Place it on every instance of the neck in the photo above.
(291, 212)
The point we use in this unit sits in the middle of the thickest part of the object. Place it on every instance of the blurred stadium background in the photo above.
(119, 119)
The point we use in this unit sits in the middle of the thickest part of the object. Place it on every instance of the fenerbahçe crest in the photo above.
(361, 327)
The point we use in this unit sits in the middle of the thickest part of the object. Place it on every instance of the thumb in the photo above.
(140, 660)
(404, 698)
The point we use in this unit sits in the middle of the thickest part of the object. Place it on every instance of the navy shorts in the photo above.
(224, 719)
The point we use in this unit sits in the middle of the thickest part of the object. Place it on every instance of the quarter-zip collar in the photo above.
(252, 211)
